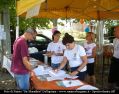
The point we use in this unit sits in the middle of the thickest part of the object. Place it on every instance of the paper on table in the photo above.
(72, 77)
(43, 77)
(87, 87)
(71, 83)
(54, 78)
(33, 60)
(59, 73)
(47, 70)
(39, 70)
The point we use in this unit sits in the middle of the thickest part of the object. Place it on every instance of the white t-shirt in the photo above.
(74, 56)
(89, 50)
(116, 48)
(57, 48)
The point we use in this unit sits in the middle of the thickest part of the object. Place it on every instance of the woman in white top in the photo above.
(113, 78)
(90, 48)
(76, 56)
(55, 50)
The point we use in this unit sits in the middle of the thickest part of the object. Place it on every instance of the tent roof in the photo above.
(87, 9)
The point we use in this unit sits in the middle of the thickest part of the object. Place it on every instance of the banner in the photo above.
(33, 11)
(7, 65)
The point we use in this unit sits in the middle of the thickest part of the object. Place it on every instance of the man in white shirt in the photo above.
(113, 78)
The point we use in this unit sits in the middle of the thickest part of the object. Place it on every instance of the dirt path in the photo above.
(6, 80)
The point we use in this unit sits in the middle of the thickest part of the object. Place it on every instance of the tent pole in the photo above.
(99, 43)
(17, 19)
(100, 38)
(17, 27)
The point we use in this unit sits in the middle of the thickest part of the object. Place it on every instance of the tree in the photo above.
(4, 16)
(24, 23)
(109, 25)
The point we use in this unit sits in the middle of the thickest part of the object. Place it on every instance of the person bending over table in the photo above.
(76, 56)
(21, 67)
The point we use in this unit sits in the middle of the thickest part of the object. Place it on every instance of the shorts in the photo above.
(81, 75)
(55, 66)
(114, 71)
(90, 69)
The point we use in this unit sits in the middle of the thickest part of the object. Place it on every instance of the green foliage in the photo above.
(76, 21)
(33, 22)
(109, 24)
(24, 23)
(4, 3)
(111, 34)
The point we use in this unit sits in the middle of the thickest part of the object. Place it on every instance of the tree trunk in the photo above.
(1, 41)
(6, 22)
(54, 22)
(5, 44)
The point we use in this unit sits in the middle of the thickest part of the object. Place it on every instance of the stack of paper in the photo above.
(70, 77)
(60, 73)
(54, 78)
(41, 70)
(87, 87)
